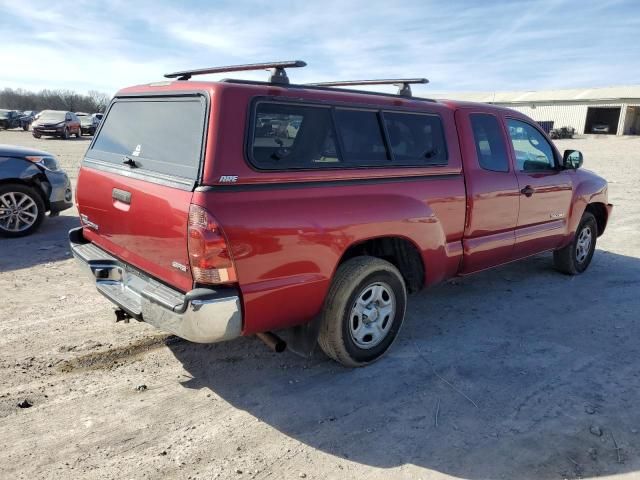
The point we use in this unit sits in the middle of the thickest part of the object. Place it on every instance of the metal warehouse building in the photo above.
(612, 110)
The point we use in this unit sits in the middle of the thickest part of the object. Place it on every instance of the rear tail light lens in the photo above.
(209, 253)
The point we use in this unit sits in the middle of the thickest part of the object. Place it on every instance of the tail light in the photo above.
(209, 253)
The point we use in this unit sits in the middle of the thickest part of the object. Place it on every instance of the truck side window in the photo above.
(533, 151)
(362, 138)
(416, 139)
(490, 146)
(293, 136)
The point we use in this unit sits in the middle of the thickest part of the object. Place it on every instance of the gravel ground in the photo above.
(518, 372)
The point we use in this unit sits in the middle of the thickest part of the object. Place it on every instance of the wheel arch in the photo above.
(35, 182)
(598, 210)
(400, 251)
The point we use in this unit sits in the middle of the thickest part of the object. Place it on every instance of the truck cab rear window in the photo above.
(164, 136)
(292, 136)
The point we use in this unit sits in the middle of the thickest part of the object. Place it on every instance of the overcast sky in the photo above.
(458, 45)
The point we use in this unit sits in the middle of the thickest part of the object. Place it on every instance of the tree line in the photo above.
(20, 99)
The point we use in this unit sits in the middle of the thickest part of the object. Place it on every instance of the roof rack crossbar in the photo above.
(403, 84)
(277, 75)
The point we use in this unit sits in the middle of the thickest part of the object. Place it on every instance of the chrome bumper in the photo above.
(201, 315)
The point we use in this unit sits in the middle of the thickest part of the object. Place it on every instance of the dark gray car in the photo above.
(31, 184)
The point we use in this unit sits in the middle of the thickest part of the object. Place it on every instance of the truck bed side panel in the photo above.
(287, 242)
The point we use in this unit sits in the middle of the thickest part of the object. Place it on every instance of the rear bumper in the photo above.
(202, 315)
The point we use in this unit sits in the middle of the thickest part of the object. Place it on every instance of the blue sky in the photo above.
(458, 45)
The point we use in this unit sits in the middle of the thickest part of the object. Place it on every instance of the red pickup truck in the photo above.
(219, 209)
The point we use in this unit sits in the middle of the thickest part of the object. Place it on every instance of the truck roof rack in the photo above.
(277, 75)
(404, 84)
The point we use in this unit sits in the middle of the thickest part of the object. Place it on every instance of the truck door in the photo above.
(492, 191)
(545, 190)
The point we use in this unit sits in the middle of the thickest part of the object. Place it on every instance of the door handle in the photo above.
(121, 195)
(527, 191)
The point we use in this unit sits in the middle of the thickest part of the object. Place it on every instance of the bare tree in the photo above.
(100, 100)
(20, 99)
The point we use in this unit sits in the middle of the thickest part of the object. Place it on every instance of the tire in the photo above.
(347, 333)
(65, 134)
(36, 135)
(576, 257)
(32, 212)
(79, 133)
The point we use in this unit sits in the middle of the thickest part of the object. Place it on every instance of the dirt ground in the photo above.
(515, 373)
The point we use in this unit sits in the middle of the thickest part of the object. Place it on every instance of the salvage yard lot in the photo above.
(517, 372)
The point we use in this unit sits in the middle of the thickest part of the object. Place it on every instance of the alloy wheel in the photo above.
(18, 211)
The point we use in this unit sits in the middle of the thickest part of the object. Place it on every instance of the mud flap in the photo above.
(302, 339)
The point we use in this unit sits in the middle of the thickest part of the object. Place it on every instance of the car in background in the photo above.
(56, 123)
(9, 119)
(26, 118)
(88, 123)
(564, 132)
(600, 128)
(31, 184)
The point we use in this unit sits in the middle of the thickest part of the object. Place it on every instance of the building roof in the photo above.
(567, 95)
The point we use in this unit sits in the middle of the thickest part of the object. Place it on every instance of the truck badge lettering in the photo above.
(179, 266)
(228, 179)
(88, 222)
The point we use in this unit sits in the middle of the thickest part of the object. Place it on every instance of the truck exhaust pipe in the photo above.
(273, 341)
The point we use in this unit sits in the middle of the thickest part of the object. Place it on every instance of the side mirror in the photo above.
(572, 159)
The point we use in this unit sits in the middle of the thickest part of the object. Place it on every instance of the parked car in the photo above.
(26, 118)
(221, 229)
(31, 184)
(9, 119)
(88, 123)
(56, 123)
(600, 128)
(564, 132)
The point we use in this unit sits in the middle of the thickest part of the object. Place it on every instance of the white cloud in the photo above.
(456, 44)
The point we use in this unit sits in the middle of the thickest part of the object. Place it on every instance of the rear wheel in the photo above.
(79, 133)
(36, 135)
(363, 312)
(576, 257)
(65, 134)
(21, 210)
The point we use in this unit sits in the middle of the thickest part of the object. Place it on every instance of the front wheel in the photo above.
(363, 312)
(65, 134)
(79, 133)
(576, 257)
(21, 210)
